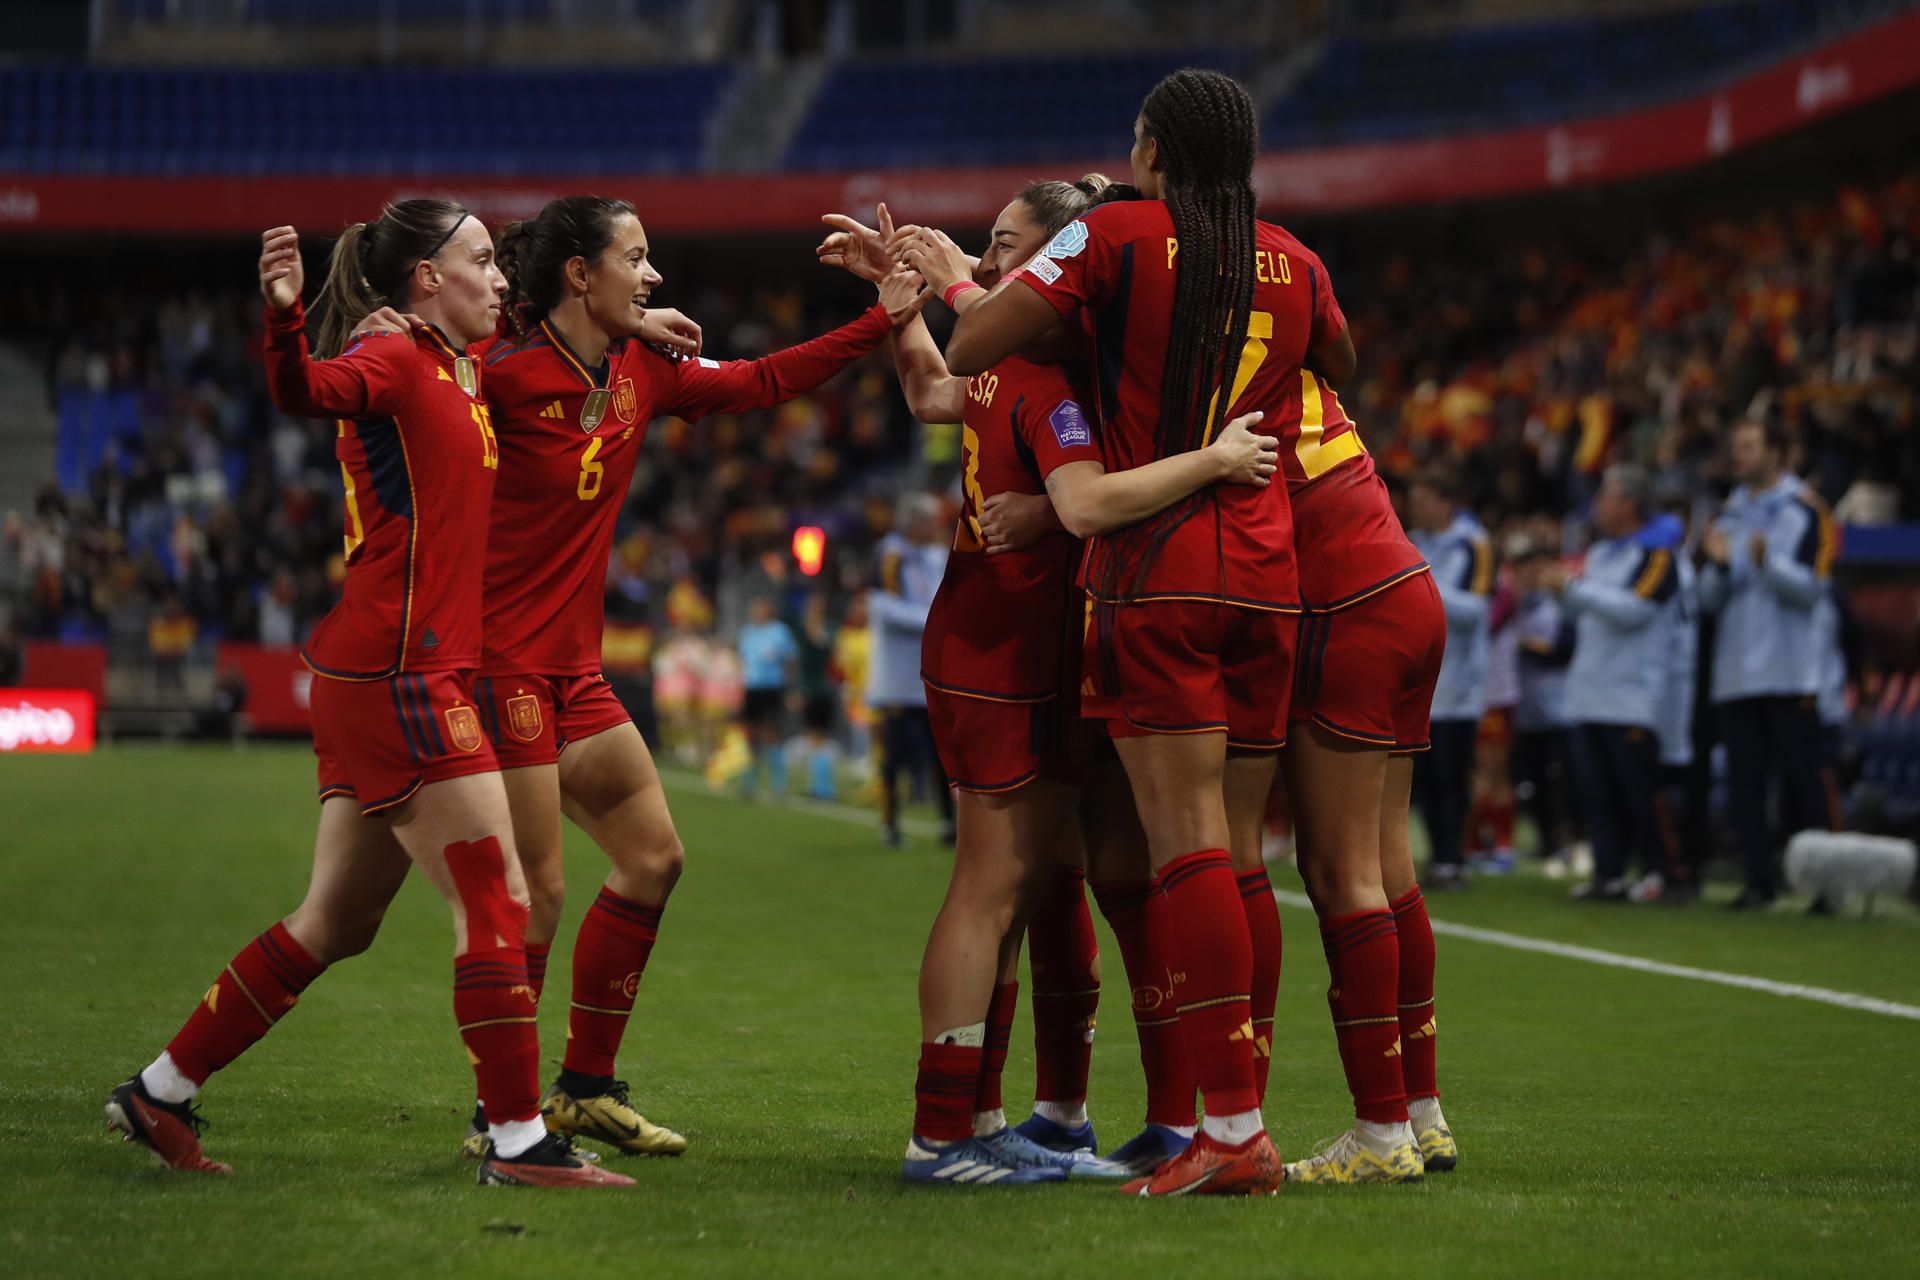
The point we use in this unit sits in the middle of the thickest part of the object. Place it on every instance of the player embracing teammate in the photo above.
(1199, 311)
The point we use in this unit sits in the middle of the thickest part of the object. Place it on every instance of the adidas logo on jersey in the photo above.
(553, 410)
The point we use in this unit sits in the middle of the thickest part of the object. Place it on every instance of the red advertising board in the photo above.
(45, 720)
(1849, 72)
(278, 684)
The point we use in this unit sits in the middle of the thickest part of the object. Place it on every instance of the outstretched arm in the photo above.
(1092, 500)
(993, 323)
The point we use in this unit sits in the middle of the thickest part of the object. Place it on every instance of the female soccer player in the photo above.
(406, 774)
(1370, 648)
(1198, 312)
(994, 675)
(573, 390)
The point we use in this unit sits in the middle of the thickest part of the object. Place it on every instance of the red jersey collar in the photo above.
(573, 361)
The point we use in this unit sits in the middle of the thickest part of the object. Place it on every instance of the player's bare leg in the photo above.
(459, 832)
(1179, 785)
(533, 796)
(611, 789)
(358, 867)
(1337, 787)
(1418, 1024)
(1128, 896)
(1003, 858)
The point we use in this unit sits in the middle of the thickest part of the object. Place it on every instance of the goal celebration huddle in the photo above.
(1176, 583)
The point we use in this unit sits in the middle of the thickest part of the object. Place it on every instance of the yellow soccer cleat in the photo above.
(1348, 1160)
(1437, 1150)
(609, 1118)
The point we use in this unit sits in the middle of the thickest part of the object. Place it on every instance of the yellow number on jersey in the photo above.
(356, 532)
(1252, 356)
(967, 537)
(489, 446)
(1317, 459)
(591, 472)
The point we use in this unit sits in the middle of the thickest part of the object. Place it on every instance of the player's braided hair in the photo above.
(534, 253)
(372, 263)
(1204, 124)
(1054, 204)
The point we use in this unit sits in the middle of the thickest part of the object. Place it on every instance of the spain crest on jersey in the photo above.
(523, 717)
(594, 411)
(626, 404)
(463, 726)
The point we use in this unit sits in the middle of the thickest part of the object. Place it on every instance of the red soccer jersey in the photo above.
(570, 436)
(1120, 263)
(418, 455)
(999, 624)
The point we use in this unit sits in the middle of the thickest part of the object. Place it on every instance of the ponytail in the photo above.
(372, 263)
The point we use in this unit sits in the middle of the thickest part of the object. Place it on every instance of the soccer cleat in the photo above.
(474, 1145)
(1018, 1149)
(1347, 1159)
(1055, 1136)
(1146, 1151)
(170, 1130)
(971, 1163)
(1210, 1168)
(1438, 1154)
(608, 1117)
(550, 1162)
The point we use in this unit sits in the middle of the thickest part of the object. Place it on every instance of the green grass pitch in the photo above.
(1610, 1122)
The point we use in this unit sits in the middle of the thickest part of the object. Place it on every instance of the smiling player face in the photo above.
(618, 285)
(1016, 238)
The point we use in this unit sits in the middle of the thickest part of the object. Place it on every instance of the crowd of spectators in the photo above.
(193, 512)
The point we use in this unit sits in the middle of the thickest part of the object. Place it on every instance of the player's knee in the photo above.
(547, 890)
(330, 936)
(651, 866)
(495, 911)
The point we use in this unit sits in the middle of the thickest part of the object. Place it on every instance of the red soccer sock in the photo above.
(993, 1063)
(1136, 911)
(537, 967)
(1417, 1023)
(1263, 929)
(494, 1005)
(608, 958)
(944, 1091)
(1363, 959)
(252, 993)
(1213, 974)
(1064, 955)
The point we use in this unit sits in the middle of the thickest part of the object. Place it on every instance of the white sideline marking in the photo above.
(1493, 937)
(1613, 959)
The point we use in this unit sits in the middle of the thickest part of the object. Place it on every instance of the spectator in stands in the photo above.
(768, 655)
(1626, 611)
(1764, 570)
(1542, 768)
(912, 561)
(171, 632)
(1457, 547)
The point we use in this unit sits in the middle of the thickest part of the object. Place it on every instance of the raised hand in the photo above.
(904, 294)
(1246, 456)
(665, 327)
(282, 274)
(932, 253)
(858, 247)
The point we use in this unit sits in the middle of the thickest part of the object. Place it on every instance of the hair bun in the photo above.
(1093, 184)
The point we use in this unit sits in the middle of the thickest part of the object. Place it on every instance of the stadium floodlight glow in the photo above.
(810, 549)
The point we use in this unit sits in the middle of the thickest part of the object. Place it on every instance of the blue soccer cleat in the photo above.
(1016, 1148)
(1055, 1136)
(971, 1163)
(1152, 1147)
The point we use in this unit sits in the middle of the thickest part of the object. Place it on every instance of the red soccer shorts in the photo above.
(1191, 666)
(1367, 671)
(531, 719)
(988, 745)
(380, 741)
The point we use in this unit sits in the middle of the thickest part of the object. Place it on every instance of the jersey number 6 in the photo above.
(591, 472)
